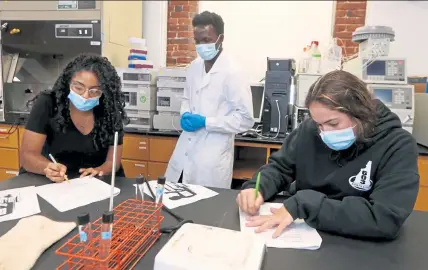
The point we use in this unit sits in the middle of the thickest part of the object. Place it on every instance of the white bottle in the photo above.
(315, 63)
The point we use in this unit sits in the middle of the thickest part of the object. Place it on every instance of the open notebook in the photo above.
(78, 192)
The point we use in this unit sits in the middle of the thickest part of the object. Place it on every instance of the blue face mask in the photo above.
(338, 139)
(207, 51)
(81, 103)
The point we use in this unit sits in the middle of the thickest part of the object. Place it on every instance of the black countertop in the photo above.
(408, 251)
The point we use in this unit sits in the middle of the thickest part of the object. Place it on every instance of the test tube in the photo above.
(106, 234)
(160, 189)
(85, 232)
(140, 182)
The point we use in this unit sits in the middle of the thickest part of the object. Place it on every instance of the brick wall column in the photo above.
(349, 16)
(180, 43)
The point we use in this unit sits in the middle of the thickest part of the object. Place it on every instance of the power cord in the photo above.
(181, 221)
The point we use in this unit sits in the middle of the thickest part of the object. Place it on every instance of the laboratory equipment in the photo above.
(106, 233)
(131, 238)
(160, 189)
(277, 96)
(171, 84)
(139, 187)
(139, 88)
(195, 247)
(33, 59)
(373, 41)
(258, 94)
(400, 99)
(300, 114)
(420, 124)
(303, 82)
(85, 231)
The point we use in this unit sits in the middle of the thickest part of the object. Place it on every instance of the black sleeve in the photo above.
(279, 173)
(382, 214)
(40, 114)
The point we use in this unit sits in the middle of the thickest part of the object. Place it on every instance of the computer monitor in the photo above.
(258, 94)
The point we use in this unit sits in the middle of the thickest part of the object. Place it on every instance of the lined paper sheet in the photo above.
(297, 235)
(79, 192)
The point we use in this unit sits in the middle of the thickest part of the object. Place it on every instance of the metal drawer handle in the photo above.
(142, 142)
(12, 172)
(139, 165)
(142, 148)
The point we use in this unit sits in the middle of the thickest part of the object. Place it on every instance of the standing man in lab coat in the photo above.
(216, 105)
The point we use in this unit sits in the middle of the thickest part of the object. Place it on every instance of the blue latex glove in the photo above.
(192, 122)
(185, 123)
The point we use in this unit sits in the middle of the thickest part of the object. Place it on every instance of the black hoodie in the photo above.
(366, 191)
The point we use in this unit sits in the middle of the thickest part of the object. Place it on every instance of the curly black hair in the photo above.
(209, 18)
(109, 115)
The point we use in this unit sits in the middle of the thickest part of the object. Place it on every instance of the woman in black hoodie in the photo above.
(350, 170)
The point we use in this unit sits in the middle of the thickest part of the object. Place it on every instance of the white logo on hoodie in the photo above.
(362, 180)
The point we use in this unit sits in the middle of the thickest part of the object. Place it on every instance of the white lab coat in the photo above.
(206, 156)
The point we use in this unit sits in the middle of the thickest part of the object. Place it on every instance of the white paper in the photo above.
(79, 192)
(18, 203)
(298, 235)
(177, 194)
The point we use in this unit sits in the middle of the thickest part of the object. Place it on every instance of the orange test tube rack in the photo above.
(136, 228)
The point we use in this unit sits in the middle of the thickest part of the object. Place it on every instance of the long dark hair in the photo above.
(340, 90)
(109, 115)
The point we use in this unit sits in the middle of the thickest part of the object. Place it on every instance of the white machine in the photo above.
(303, 82)
(300, 114)
(171, 83)
(258, 94)
(139, 88)
(400, 99)
(420, 124)
(382, 70)
(196, 247)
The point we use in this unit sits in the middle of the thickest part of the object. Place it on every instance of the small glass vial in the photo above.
(106, 234)
(160, 189)
(140, 182)
(85, 232)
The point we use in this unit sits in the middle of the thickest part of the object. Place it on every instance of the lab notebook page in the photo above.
(297, 235)
(78, 192)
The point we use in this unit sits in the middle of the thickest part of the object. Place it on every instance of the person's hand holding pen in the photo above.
(250, 200)
(56, 171)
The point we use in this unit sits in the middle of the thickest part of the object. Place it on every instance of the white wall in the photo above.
(409, 20)
(155, 31)
(255, 30)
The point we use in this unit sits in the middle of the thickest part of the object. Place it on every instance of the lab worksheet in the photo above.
(178, 194)
(18, 203)
(298, 234)
(78, 192)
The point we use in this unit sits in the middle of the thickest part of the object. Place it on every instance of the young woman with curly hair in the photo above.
(76, 122)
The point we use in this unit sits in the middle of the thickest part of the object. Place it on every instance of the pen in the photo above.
(257, 186)
(56, 163)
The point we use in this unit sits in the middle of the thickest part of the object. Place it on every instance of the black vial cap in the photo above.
(108, 217)
(161, 180)
(140, 179)
(83, 219)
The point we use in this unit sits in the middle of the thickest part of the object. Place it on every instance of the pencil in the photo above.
(54, 161)
(257, 186)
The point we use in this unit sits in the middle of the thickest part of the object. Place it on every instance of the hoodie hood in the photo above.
(385, 121)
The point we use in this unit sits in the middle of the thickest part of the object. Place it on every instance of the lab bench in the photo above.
(148, 153)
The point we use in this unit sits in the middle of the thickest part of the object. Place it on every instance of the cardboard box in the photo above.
(420, 83)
